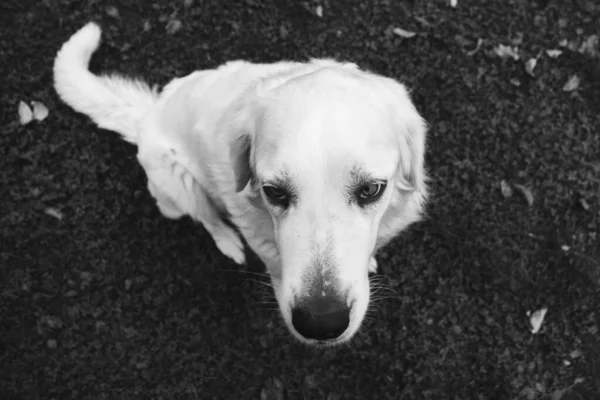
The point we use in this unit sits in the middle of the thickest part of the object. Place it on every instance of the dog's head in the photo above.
(336, 157)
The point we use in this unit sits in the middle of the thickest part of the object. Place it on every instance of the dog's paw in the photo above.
(373, 265)
(229, 243)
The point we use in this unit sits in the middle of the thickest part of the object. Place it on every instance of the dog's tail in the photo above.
(113, 102)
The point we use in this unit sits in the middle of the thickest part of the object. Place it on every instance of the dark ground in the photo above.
(116, 302)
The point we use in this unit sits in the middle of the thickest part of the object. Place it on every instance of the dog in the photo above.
(316, 164)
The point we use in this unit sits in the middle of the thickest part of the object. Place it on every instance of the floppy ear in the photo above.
(411, 133)
(239, 154)
(241, 121)
(412, 148)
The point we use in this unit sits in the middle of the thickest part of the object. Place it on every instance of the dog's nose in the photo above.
(321, 317)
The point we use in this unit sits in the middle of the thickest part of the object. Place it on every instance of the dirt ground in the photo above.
(102, 298)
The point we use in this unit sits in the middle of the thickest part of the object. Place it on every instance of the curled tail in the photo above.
(113, 102)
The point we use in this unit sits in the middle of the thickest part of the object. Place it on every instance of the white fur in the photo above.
(210, 140)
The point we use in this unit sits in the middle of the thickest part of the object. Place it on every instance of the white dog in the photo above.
(317, 164)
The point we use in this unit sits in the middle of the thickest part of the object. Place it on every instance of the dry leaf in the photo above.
(557, 394)
(173, 26)
(596, 165)
(540, 387)
(188, 3)
(589, 46)
(403, 33)
(147, 26)
(572, 84)
(526, 193)
(319, 11)
(505, 189)
(575, 353)
(578, 380)
(453, 3)
(40, 111)
(530, 65)
(565, 247)
(53, 212)
(536, 319)
(566, 363)
(112, 11)
(515, 82)
(507, 51)
(553, 53)
(25, 113)
(479, 43)
(563, 43)
(423, 21)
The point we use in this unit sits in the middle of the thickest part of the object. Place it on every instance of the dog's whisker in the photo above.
(241, 271)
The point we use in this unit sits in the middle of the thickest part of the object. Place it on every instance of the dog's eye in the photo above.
(276, 195)
(369, 193)
(371, 190)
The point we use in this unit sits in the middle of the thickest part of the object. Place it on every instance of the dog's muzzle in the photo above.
(321, 317)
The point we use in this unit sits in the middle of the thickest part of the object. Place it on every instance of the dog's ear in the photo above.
(412, 136)
(411, 132)
(239, 154)
(241, 122)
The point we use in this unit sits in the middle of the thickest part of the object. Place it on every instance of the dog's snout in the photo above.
(321, 317)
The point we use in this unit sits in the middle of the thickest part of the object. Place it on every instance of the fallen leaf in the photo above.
(566, 363)
(319, 11)
(575, 354)
(526, 193)
(515, 82)
(563, 43)
(505, 189)
(565, 247)
(40, 111)
(536, 319)
(596, 165)
(112, 11)
(540, 387)
(147, 26)
(584, 204)
(503, 51)
(453, 3)
(51, 343)
(553, 53)
(530, 66)
(173, 26)
(25, 113)
(589, 46)
(557, 394)
(572, 84)
(578, 380)
(403, 33)
(53, 212)
(423, 21)
(188, 3)
(476, 49)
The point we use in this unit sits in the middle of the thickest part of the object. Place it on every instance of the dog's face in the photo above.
(329, 153)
